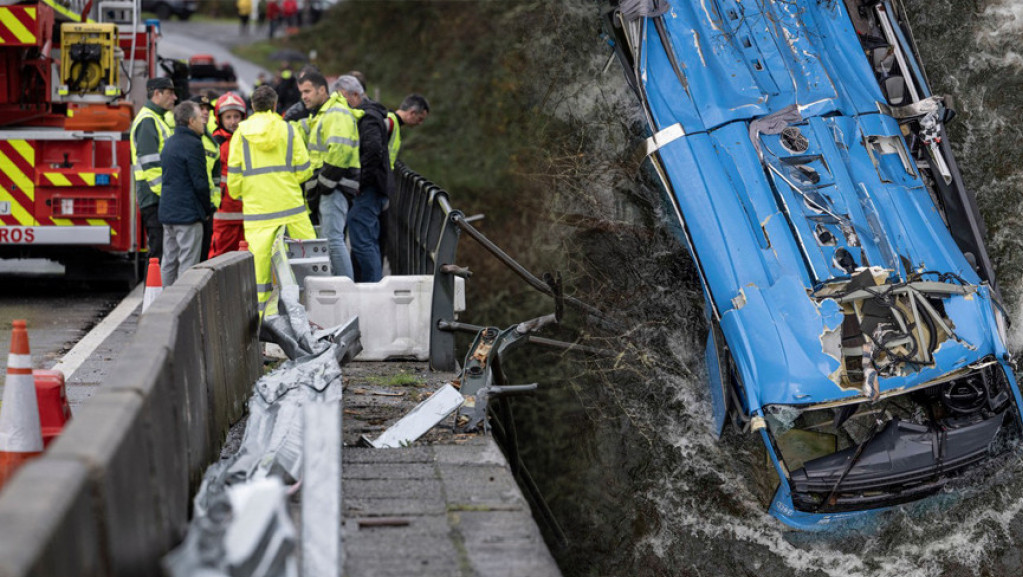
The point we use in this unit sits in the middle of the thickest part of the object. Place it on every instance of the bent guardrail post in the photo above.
(423, 230)
(442, 343)
(482, 378)
(422, 216)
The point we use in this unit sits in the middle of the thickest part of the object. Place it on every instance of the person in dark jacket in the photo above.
(185, 200)
(287, 89)
(297, 111)
(374, 182)
(149, 132)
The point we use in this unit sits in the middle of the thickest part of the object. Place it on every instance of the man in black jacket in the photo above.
(374, 182)
(185, 200)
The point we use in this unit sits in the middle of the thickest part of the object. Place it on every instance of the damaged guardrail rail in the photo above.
(240, 524)
(292, 440)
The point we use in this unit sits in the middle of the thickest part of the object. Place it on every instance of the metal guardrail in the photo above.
(423, 233)
(422, 238)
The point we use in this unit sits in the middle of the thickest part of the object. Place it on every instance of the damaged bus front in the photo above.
(855, 322)
(918, 397)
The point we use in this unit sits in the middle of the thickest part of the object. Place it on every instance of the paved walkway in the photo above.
(449, 504)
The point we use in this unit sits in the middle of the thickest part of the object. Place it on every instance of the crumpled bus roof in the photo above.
(774, 217)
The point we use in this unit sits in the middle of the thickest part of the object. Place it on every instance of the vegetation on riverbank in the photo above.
(499, 138)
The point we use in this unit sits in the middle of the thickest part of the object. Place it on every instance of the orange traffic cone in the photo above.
(154, 286)
(242, 245)
(21, 438)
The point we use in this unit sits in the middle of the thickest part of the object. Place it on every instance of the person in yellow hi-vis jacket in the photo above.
(151, 127)
(267, 164)
(336, 136)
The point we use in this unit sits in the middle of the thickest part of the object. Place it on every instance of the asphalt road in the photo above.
(186, 39)
(59, 312)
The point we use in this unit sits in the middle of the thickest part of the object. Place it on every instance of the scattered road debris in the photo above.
(421, 419)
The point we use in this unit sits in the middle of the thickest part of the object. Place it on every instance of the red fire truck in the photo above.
(70, 81)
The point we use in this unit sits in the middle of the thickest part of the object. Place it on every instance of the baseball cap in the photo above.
(162, 83)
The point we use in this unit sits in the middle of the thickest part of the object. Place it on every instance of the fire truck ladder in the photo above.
(68, 10)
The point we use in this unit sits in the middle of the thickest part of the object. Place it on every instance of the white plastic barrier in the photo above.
(394, 314)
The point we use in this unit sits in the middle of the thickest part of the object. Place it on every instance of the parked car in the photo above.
(164, 9)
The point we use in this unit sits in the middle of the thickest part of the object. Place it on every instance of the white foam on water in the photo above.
(1003, 20)
(919, 541)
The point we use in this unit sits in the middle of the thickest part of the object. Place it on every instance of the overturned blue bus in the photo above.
(855, 321)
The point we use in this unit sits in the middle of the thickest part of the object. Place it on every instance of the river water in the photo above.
(622, 449)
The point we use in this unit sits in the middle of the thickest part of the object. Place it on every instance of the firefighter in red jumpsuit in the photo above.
(228, 230)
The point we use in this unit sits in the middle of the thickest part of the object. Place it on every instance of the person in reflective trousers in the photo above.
(266, 166)
(227, 222)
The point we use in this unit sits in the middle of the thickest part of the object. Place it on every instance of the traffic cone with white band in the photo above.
(154, 286)
(21, 437)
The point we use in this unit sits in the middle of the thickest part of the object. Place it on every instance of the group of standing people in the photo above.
(277, 12)
(329, 158)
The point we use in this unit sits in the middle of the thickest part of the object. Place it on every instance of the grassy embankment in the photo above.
(487, 132)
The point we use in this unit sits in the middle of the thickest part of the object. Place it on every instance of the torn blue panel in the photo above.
(775, 339)
(667, 97)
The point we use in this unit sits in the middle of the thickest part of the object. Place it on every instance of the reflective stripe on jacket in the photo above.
(228, 204)
(212, 151)
(337, 137)
(394, 142)
(267, 164)
(306, 128)
(148, 132)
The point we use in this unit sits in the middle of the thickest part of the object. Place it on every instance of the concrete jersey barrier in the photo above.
(112, 494)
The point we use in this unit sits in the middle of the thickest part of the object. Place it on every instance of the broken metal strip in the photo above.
(790, 219)
(452, 326)
(808, 200)
(925, 353)
(517, 268)
(421, 419)
(322, 548)
(939, 162)
(924, 287)
(664, 137)
(893, 41)
(938, 320)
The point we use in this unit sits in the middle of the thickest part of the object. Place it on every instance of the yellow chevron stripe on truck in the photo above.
(22, 194)
(14, 25)
(20, 179)
(57, 179)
